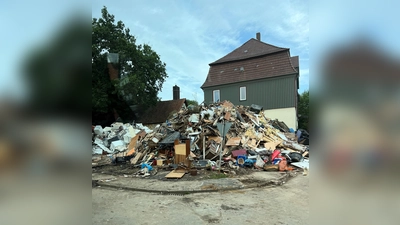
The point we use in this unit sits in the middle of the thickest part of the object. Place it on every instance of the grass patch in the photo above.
(218, 176)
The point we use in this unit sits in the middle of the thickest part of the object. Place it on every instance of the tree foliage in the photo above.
(141, 71)
(56, 71)
(303, 110)
(192, 102)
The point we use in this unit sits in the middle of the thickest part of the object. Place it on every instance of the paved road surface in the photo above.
(287, 204)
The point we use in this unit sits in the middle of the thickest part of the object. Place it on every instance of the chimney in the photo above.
(176, 92)
(258, 36)
(113, 60)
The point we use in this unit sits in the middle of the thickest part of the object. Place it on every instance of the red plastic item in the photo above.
(236, 153)
(283, 165)
(275, 154)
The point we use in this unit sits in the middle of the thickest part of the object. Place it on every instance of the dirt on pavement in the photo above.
(285, 204)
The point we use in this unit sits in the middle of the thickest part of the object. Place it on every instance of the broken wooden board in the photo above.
(271, 167)
(179, 159)
(137, 158)
(216, 139)
(233, 141)
(193, 155)
(227, 115)
(226, 151)
(253, 144)
(180, 170)
(160, 162)
(174, 174)
(133, 142)
(271, 145)
(130, 152)
(227, 105)
(180, 149)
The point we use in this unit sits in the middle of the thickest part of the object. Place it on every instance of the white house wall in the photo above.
(287, 115)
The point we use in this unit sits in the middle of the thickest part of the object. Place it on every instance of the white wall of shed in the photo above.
(287, 115)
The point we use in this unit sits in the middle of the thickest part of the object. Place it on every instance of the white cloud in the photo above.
(189, 36)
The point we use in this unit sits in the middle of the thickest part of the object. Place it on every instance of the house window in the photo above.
(242, 93)
(216, 96)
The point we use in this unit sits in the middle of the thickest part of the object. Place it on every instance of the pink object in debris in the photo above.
(275, 154)
(236, 153)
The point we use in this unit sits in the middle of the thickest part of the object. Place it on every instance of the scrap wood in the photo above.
(243, 134)
(137, 158)
(271, 145)
(174, 174)
(130, 152)
(235, 141)
(193, 155)
(226, 151)
(271, 167)
(180, 149)
(218, 140)
(227, 115)
(253, 144)
(150, 157)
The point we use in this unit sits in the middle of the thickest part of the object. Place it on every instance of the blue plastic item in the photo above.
(276, 161)
(291, 130)
(249, 162)
(148, 166)
(241, 158)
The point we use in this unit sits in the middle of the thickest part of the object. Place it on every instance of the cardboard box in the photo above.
(160, 162)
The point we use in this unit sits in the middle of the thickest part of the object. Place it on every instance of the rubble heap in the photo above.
(191, 137)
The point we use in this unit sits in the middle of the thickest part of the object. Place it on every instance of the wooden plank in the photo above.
(252, 144)
(160, 162)
(137, 157)
(204, 147)
(133, 142)
(227, 115)
(179, 159)
(233, 141)
(227, 105)
(187, 162)
(271, 145)
(180, 149)
(130, 152)
(216, 139)
(174, 174)
(187, 147)
(180, 170)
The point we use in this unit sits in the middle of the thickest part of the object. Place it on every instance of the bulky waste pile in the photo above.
(193, 138)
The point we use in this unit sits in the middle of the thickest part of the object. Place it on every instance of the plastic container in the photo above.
(275, 154)
(241, 160)
(193, 172)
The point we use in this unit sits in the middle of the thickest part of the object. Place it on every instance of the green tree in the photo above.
(56, 73)
(141, 72)
(303, 110)
(192, 102)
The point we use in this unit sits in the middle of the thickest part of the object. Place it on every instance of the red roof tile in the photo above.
(295, 61)
(252, 48)
(269, 65)
(160, 112)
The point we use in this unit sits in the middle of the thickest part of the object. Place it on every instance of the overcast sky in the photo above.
(188, 35)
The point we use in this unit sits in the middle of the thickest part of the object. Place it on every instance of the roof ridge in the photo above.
(291, 64)
(268, 44)
(267, 49)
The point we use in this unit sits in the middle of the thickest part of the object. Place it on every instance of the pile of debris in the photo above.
(215, 136)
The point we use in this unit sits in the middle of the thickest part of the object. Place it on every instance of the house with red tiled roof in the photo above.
(257, 73)
(160, 112)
